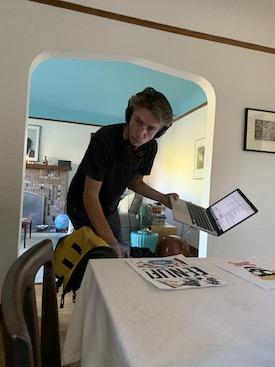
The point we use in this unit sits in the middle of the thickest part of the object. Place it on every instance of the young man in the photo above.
(118, 157)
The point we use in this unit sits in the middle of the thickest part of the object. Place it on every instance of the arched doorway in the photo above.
(136, 74)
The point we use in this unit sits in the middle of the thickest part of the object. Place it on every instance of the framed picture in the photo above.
(259, 134)
(199, 158)
(32, 153)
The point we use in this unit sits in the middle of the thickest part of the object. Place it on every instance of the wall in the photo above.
(240, 77)
(60, 140)
(175, 158)
(173, 169)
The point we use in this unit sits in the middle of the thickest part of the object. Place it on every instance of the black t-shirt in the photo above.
(111, 160)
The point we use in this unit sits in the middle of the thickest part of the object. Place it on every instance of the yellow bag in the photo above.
(72, 254)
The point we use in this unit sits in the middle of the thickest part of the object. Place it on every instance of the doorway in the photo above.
(114, 98)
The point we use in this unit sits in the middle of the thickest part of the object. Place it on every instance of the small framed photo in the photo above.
(33, 139)
(199, 158)
(259, 134)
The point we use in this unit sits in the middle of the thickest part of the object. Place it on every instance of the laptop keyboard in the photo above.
(199, 216)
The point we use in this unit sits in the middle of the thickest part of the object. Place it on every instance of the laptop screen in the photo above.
(231, 210)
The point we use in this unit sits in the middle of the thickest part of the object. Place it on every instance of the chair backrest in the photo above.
(34, 203)
(27, 341)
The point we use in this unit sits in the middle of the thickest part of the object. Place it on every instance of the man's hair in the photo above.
(155, 101)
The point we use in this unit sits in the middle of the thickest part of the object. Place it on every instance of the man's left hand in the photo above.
(166, 199)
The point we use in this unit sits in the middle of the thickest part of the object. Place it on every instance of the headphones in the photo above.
(150, 92)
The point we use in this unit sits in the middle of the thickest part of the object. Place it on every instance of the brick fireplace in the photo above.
(52, 183)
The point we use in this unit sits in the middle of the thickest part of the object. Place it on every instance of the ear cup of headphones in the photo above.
(162, 131)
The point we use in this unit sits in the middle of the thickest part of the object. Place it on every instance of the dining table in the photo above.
(122, 320)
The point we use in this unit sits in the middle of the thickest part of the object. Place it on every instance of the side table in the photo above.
(164, 230)
(27, 220)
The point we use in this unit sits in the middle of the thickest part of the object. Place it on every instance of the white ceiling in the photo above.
(97, 92)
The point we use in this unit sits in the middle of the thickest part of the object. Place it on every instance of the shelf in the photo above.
(48, 167)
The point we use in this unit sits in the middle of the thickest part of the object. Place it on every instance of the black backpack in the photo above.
(71, 256)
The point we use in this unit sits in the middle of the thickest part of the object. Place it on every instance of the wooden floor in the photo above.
(64, 318)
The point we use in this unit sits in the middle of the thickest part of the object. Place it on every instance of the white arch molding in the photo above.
(199, 80)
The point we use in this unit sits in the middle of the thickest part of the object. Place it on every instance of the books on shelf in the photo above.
(158, 214)
(158, 219)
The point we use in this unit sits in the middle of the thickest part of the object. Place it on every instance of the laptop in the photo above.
(219, 218)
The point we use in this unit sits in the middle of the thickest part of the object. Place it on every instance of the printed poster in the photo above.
(174, 272)
(253, 270)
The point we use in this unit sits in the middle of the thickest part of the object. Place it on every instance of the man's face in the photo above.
(143, 127)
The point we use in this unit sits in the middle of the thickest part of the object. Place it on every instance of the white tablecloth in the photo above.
(121, 320)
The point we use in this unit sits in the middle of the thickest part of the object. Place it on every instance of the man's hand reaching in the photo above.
(166, 199)
(121, 249)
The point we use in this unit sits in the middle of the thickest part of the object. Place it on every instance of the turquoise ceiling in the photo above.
(97, 92)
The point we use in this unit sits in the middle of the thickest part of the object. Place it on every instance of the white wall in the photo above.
(173, 170)
(174, 164)
(240, 77)
(65, 141)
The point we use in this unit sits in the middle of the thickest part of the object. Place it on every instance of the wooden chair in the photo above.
(27, 341)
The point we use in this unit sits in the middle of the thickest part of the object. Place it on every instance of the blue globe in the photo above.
(62, 221)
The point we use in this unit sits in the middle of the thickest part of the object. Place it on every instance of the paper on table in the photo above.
(174, 272)
(253, 270)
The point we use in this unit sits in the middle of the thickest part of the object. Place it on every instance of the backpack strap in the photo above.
(62, 300)
(59, 283)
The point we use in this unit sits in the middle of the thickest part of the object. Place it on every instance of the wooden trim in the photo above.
(154, 25)
(65, 121)
(191, 111)
(45, 166)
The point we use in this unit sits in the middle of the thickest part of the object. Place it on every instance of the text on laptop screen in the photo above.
(231, 210)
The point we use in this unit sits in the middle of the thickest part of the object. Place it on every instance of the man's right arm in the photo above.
(95, 212)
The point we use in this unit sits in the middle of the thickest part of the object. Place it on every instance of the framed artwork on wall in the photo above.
(259, 134)
(32, 153)
(199, 158)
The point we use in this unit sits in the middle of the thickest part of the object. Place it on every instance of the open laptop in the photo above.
(221, 216)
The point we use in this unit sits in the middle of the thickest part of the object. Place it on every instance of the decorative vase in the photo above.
(144, 238)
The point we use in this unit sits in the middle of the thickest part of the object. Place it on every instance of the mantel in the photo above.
(46, 166)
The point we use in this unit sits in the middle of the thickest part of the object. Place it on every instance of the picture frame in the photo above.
(33, 141)
(199, 158)
(259, 134)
